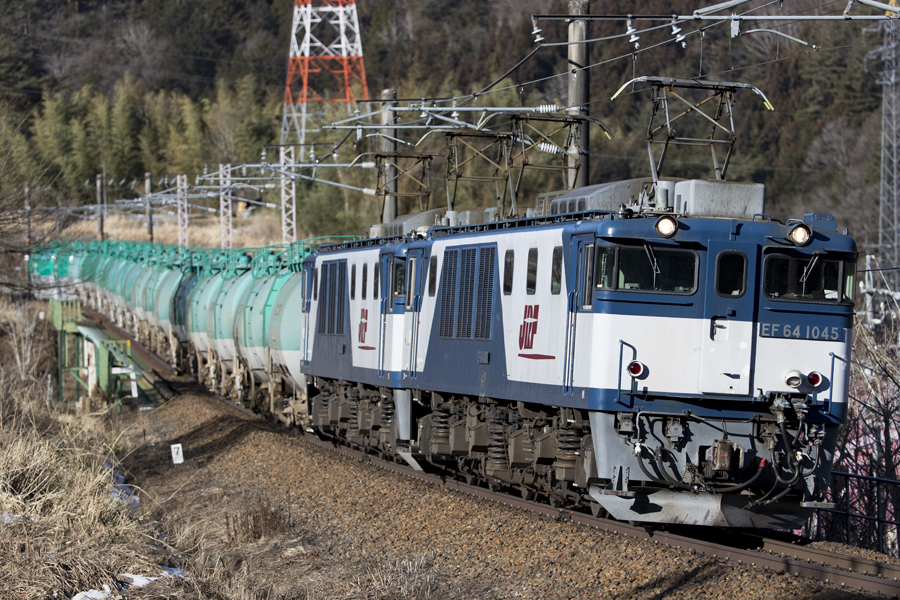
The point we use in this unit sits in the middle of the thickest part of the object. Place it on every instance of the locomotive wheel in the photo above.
(260, 400)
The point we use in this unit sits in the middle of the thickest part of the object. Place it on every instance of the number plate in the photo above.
(801, 332)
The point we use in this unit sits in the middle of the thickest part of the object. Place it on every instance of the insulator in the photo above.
(497, 443)
(548, 108)
(440, 427)
(549, 148)
(568, 444)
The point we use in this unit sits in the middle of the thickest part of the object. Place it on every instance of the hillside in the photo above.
(166, 86)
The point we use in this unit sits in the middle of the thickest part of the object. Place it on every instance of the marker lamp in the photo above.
(636, 369)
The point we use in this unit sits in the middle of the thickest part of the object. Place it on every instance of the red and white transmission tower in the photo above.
(325, 65)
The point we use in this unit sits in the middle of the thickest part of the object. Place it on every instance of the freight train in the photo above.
(659, 351)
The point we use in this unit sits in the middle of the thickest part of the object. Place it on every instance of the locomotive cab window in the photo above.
(353, 282)
(509, 262)
(646, 269)
(605, 268)
(365, 279)
(731, 274)
(315, 284)
(410, 283)
(375, 277)
(398, 278)
(531, 275)
(432, 276)
(809, 278)
(556, 271)
(587, 274)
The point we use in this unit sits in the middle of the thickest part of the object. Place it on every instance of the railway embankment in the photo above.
(258, 509)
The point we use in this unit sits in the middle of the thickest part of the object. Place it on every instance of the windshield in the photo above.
(809, 279)
(646, 269)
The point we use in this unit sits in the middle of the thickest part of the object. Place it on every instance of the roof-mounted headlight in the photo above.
(666, 226)
(800, 234)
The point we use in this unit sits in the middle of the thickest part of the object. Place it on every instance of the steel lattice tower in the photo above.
(226, 231)
(888, 239)
(325, 64)
(182, 210)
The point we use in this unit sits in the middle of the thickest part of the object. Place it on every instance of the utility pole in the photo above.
(148, 189)
(578, 93)
(28, 235)
(27, 216)
(389, 146)
(100, 206)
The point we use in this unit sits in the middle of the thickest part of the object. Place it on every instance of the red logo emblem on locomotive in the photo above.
(363, 324)
(528, 327)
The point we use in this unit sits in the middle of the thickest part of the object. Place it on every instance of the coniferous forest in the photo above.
(168, 86)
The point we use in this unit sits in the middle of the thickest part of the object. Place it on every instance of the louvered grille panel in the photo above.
(332, 292)
(485, 307)
(339, 298)
(323, 299)
(466, 293)
(448, 293)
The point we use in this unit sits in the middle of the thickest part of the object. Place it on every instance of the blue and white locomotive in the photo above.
(661, 351)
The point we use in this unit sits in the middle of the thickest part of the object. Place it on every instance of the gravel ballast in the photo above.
(363, 515)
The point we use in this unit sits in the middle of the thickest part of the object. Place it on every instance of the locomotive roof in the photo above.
(620, 226)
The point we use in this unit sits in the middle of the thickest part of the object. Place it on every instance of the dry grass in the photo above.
(61, 531)
(64, 532)
(260, 229)
(259, 518)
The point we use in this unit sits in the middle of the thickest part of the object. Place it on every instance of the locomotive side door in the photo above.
(729, 316)
(415, 260)
(579, 284)
(382, 286)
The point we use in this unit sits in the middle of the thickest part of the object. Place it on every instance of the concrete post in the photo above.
(99, 206)
(148, 189)
(579, 92)
(389, 100)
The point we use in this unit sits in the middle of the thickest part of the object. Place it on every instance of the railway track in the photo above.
(779, 556)
(820, 565)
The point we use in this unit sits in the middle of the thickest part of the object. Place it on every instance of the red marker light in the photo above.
(814, 378)
(636, 369)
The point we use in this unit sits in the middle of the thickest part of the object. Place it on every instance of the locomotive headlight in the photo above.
(793, 378)
(666, 226)
(636, 369)
(814, 379)
(800, 234)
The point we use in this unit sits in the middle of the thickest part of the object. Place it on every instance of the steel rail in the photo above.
(826, 558)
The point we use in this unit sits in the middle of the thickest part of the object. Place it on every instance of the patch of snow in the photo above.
(93, 594)
(139, 580)
(173, 572)
(124, 494)
(7, 518)
(136, 581)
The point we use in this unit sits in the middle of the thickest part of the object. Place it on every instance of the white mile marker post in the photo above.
(177, 454)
